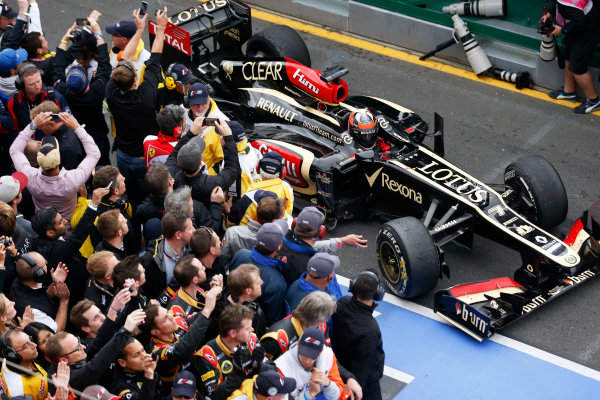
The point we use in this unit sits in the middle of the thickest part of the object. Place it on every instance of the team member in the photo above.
(17, 347)
(271, 168)
(245, 286)
(99, 286)
(314, 367)
(223, 363)
(268, 385)
(355, 335)
(112, 227)
(135, 378)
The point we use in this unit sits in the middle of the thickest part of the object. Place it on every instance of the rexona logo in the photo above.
(471, 317)
(305, 82)
(394, 186)
(455, 182)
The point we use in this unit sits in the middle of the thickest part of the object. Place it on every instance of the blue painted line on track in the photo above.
(448, 364)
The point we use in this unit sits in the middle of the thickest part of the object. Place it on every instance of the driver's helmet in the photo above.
(363, 127)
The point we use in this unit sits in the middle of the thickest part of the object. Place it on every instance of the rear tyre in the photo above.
(407, 256)
(538, 192)
(278, 41)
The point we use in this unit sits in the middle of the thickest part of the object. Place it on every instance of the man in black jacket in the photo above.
(65, 346)
(134, 109)
(84, 97)
(185, 162)
(356, 338)
(51, 226)
(135, 378)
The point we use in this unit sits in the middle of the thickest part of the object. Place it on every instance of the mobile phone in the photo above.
(210, 121)
(143, 8)
(55, 117)
(81, 21)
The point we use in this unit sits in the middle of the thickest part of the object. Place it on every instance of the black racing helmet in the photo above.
(363, 127)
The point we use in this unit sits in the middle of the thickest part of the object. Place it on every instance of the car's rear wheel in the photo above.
(407, 256)
(538, 192)
(278, 41)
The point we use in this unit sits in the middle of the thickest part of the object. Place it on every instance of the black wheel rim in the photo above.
(521, 201)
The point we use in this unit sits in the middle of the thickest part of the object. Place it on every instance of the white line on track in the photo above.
(503, 340)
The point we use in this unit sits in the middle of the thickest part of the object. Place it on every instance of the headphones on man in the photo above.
(321, 232)
(19, 83)
(7, 350)
(378, 296)
(39, 275)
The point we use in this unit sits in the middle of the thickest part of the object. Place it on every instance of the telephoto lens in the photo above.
(547, 48)
(475, 55)
(484, 8)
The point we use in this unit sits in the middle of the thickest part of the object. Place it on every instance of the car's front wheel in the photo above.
(538, 193)
(408, 258)
(278, 41)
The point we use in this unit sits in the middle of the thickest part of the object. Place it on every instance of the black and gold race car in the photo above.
(303, 114)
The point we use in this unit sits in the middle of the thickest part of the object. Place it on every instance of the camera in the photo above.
(210, 121)
(143, 8)
(81, 21)
(546, 27)
(5, 242)
(55, 117)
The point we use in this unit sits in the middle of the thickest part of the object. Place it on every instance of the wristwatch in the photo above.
(98, 36)
(33, 125)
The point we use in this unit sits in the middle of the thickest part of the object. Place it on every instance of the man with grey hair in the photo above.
(181, 199)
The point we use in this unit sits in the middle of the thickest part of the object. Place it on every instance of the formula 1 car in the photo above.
(303, 114)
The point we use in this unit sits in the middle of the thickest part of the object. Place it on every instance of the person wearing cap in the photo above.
(245, 286)
(178, 78)
(49, 184)
(269, 208)
(234, 355)
(27, 20)
(268, 385)
(272, 171)
(307, 238)
(133, 106)
(171, 349)
(11, 188)
(356, 337)
(15, 382)
(171, 125)
(314, 366)
(85, 96)
(201, 105)
(249, 158)
(185, 162)
(134, 377)
(319, 275)
(9, 59)
(99, 392)
(264, 256)
(184, 386)
(128, 45)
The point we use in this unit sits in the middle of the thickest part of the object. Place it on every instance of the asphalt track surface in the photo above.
(487, 125)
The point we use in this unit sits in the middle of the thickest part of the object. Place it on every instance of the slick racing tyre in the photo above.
(278, 41)
(538, 192)
(407, 256)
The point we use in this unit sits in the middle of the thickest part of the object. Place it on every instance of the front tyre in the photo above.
(407, 256)
(538, 192)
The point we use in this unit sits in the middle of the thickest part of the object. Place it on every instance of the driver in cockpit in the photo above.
(363, 127)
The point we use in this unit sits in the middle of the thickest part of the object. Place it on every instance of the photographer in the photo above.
(579, 21)
(84, 96)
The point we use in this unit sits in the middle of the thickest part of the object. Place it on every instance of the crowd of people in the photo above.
(177, 273)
